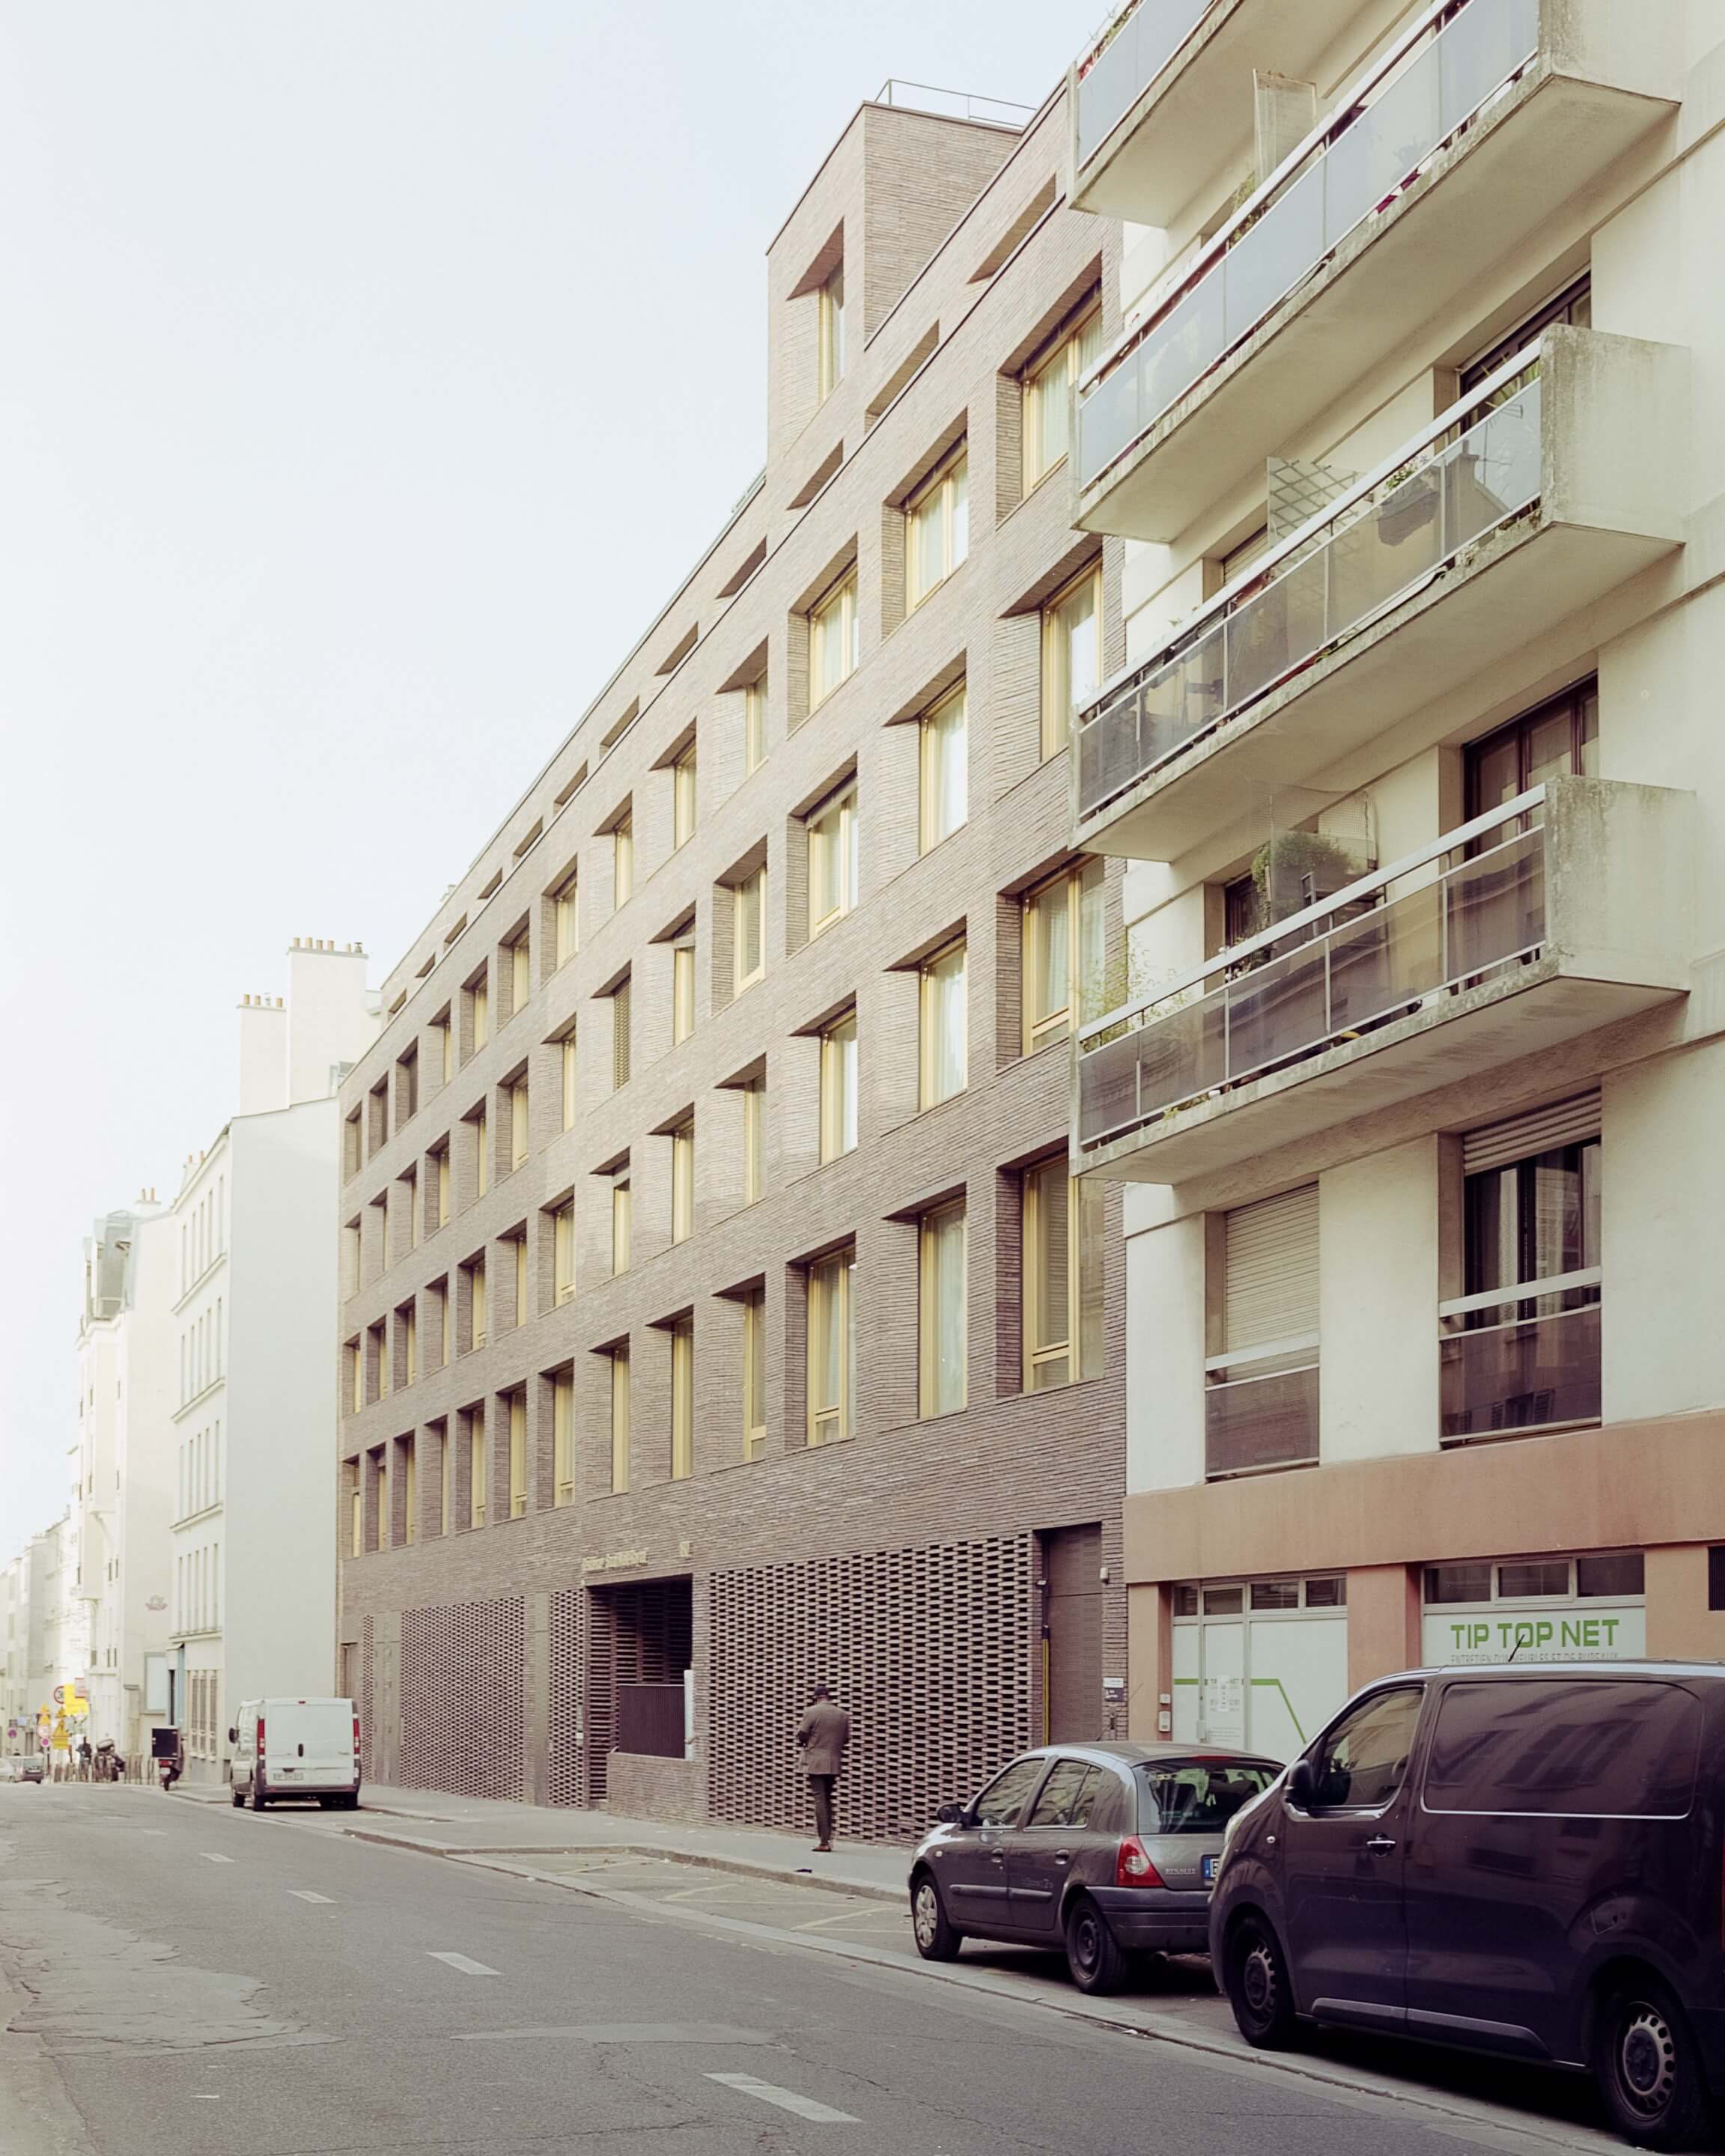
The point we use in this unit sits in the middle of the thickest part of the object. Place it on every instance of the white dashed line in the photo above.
(786, 2100)
(466, 1967)
(210, 1857)
(305, 1894)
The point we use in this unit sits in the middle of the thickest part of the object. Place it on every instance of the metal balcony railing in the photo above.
(1479, 463)
(1520, 1359)
(1261, 1409)
(1445, 68)
(1355, 960)
(1132, 52)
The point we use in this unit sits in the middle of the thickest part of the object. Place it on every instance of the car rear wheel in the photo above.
(935, 1938)
(1255, 1977)
(1092, 1952)
(239, 1796)
(259, 1799)
(1649, 2069)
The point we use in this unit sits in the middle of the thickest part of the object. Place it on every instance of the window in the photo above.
(1069, 1795)
(1359, 1765)
(442, 1157)
(523, 1310)
(410, 1182)
(410, 1341)
(683, 798)
(619, 1418)
(682, 1399)
(562, 1438)
(356, 1511)
(1064, 964)
(620, 1018)
(357, 1375)
(837, 1088)
(1063, 1278)
(566, 919)
(379, 1337)
(355, 1158)
(476, 1302)
(410, 1490)
(682, 992)
(407, 1086)
(937, 528)
(754, 1374)
(444, 1046)
(446, 1321)
(683, 1183)
(1006, 1796)
(1071, 656)
(1198, 1796)
(944, 1026)
(481, 1153)
(621, 1223)
(748, 940)
(754, 1139)
(943, 1331)
(832, 860)
(517, 1454)
(1558, 740)
(830, 334)
(945, 770)
(521, 973)
(834, 639)
(518, 1123)
(832, 1349)
(478, 1002)
(1574, 305)
(1050, 387)
(476, 1467)
(379, 1458)
(1262, 1389)
(566, 1072)
(623, 860)
(563, 1252)
(1593, 1749)
(754, 726)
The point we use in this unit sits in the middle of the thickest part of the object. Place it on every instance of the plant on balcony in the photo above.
(1295, 868)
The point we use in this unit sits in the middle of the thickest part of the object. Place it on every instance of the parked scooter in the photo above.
(168, 1756)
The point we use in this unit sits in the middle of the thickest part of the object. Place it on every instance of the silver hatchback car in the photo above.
(1105, 1850)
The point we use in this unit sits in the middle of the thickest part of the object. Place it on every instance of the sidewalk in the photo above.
(467, 1826)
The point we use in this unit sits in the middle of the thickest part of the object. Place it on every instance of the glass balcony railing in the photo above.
(1446, 918)
(1436, 77)
(1477, 465)
(1521, 1359)
(1260, 1409)
(1139, 45)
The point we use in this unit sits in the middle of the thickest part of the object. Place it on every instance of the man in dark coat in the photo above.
(824, 1732)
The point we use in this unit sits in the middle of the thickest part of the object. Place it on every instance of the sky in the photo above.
(373, 370)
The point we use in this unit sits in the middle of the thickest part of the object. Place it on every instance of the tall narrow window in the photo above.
(754, 726)
(518, 1123)
(682, 1375)
(837, 1088)
(357, 1373)
(944, 1026)
(683, 798)
(381, 1537)
(443, 1186)
(446, 1481)
(563, 1251)
(446, 1303)
(834, 639)
(683, 1183)
(476, 1465)
(1050, 384)
(621, 1223)
(1063, 1277)
(562, 1438)
(754, 1139)
(410, 1335)
(830, 334)
(937, 528)
(748, 939)
(621, 1013)
(1065, 960)
(754, 1374)
(566, 1068)
(410, 1489)
(356, 1511)
(945, 770)
(521, 973)
(517, 1454)
(623, 860)
(832, 860)
(381, 1356)
(444, 1041)
(832, 1349)
(566, 919)
(1071, 656)
(619, 1418)
(682, 991)
(942, 1329)
(411, 1179)
(481, 1153)
(476, 1302)
(480, 1006)
(523, 1311)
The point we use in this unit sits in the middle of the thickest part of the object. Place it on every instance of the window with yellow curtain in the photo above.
(480, 1000)
(411, 1179)
(481, 1153)
(517, 1454)
(357, 1509)
(446, 1480)
(749, 941)
(1050, 387)
(682, 991)
(562, 1438)
(623, 861)
(837, 1088)
(943, 1337)
(566, 919)
(683, 1183)
(945, 1058)
(754, 1374)
(832, 867)
(683, 778)
(476, 1465)
(410, 1489)
(1065, 958)
(410, 1338)
(563, 1251)
(568, 1067)
(620, 1023)
(754, 1139)
(937, 528)
(1071, 656)
(834, 639)
(830, 334)
(476, 1302)
(754, 725)
(518, 1123)
(682, 1390)
(619, 1418)
(1063, 1279)
(621, 1223)
(832, 1348)
(521, 973)
(523, 1300)
(945, 770)
(443, 1186)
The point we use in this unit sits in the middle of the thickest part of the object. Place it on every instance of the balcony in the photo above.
(1481, 122)
(1564, 911)
(1260, 1409)
(1512, 1364)
(1556, 480)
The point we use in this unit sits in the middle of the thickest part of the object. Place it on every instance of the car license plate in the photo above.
(1209, 1871)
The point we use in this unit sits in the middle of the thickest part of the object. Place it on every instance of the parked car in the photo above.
(26, 1768)
(1524, 1860)
(296, 1748)
(1105, 1850)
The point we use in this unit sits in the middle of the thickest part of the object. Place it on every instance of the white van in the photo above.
(296, 1748)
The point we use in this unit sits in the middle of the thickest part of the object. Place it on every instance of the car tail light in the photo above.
(1133, 1866)
(261, 1736)
(356, 1737)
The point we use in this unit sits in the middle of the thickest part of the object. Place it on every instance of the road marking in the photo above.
(693, 1893)
(161, 1830)
(210, 1857)
(466, 1967)
(305, 1894)
(889, 1919)
(786, 2100)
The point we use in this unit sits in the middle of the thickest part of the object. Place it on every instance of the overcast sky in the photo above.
(372, 371)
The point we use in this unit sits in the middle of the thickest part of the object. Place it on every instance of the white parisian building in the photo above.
(253, 1255)
(1415, 1072)
(119, 1520)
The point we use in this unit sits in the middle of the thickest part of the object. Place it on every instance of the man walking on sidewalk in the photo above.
(823, 1735)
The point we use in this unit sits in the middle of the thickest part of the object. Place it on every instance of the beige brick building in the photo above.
(718, 1314)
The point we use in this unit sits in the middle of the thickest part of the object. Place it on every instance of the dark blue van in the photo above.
(1524, 1860)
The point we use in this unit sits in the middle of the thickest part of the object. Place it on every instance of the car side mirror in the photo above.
(950, 1815)
(234, 1737)
(1302, 1784)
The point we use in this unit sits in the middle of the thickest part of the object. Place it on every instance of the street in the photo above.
(183, 1977)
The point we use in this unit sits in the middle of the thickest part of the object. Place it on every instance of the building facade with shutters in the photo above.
(1413, 1084)
(719, 1312)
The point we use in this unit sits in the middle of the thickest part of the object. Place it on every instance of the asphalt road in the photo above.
(187, 1979)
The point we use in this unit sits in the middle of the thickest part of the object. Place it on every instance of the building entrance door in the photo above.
(1072, 1634)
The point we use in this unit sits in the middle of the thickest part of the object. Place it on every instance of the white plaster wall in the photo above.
(328, 1022)
(1164, 1356)
(1377, 1297)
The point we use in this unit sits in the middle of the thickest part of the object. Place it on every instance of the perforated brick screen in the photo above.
(641, 1633)
(567, 1780)
(464, 1698)
(932, 1650)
